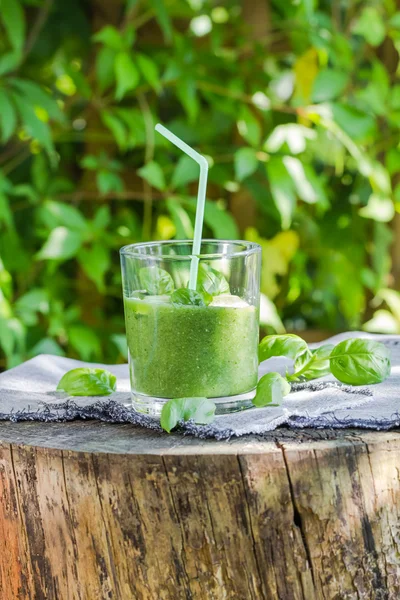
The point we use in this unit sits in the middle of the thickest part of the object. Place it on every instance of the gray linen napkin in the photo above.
(27, 392)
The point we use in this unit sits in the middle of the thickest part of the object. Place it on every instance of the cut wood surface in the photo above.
(95, 511)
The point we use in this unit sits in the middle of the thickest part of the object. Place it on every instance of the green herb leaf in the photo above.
(88, 382)
(360, 362)
(211, 281)
(290, 345)
(201, 410)
(271, 388)
(153, 174)
(186, 297)
(126, 74)
(312, 364)
(156, 281)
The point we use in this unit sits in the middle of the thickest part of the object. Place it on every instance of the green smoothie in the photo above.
(192, 351)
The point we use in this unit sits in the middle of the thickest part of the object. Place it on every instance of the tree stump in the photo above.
(91, 511)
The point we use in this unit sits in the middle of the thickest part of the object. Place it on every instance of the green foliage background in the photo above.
(299, 116)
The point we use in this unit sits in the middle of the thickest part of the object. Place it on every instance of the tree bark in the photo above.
(115, 512)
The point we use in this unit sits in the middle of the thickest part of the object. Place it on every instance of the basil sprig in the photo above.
(186, 297)
(312, 364)
(156, 281)
(211, 281)
(356, 361)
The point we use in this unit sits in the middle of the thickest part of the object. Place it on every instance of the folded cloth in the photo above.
(27, 392)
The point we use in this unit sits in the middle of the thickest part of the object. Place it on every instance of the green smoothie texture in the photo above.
(192, 351)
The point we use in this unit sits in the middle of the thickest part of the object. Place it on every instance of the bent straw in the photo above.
(201, 198)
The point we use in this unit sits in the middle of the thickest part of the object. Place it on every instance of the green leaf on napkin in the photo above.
(201, 410)
(87, 382)
(359, 361)
(271, 388)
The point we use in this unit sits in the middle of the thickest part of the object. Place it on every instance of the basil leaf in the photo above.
(201, 410)
(289, 345)
(186, 297)
(271, 388)
(211, 281)
(360, 362)
(312, 364)
(156, 281)
(88, 382)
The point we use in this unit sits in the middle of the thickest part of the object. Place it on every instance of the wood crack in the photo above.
(187, 591)
(297, 518)
(110, 549)
(247, 501)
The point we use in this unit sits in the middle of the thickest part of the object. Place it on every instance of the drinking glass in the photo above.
(198, 345)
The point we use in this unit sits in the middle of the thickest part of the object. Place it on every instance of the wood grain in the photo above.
(91, 511)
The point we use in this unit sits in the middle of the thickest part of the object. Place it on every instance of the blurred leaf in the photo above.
(95, 261)
(84, 341)
(9, 61)
(392, 299)
(382, 322)
(149, 70)
(187, 94)
(62, 244)
(306, 71)
(249, 126)
(105, 67)
(395, 20)
(117, 128)
(269, 315)
(109, 36)
(217, 218)
(89, 162)
(153, 174)
(370, 25)
(13, 19)
(246, 163)
(38, 97)
(54, 214)
(163, 18)
(120, 341)
(186, 171)
(165, 228)
(378, 208)
(108, 182)
(126, 74)
(12, 339)
(46, 346)
(282, 189)
(220, 221)
(181, 220)
(8, 116)
(292, 134)
(40, 173)
(33, 125)
(329, 84)
(301, 179)
(354, 122)
(5, 212)
(102, 218)
(29, 304)
(393, 161)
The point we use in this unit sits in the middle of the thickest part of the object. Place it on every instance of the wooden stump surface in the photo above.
(94, 511)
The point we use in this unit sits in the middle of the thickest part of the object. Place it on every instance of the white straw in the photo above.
(201, 198)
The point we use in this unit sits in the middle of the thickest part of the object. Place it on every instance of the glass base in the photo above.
(152, 406)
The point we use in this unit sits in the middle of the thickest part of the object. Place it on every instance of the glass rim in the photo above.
(133, 250)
